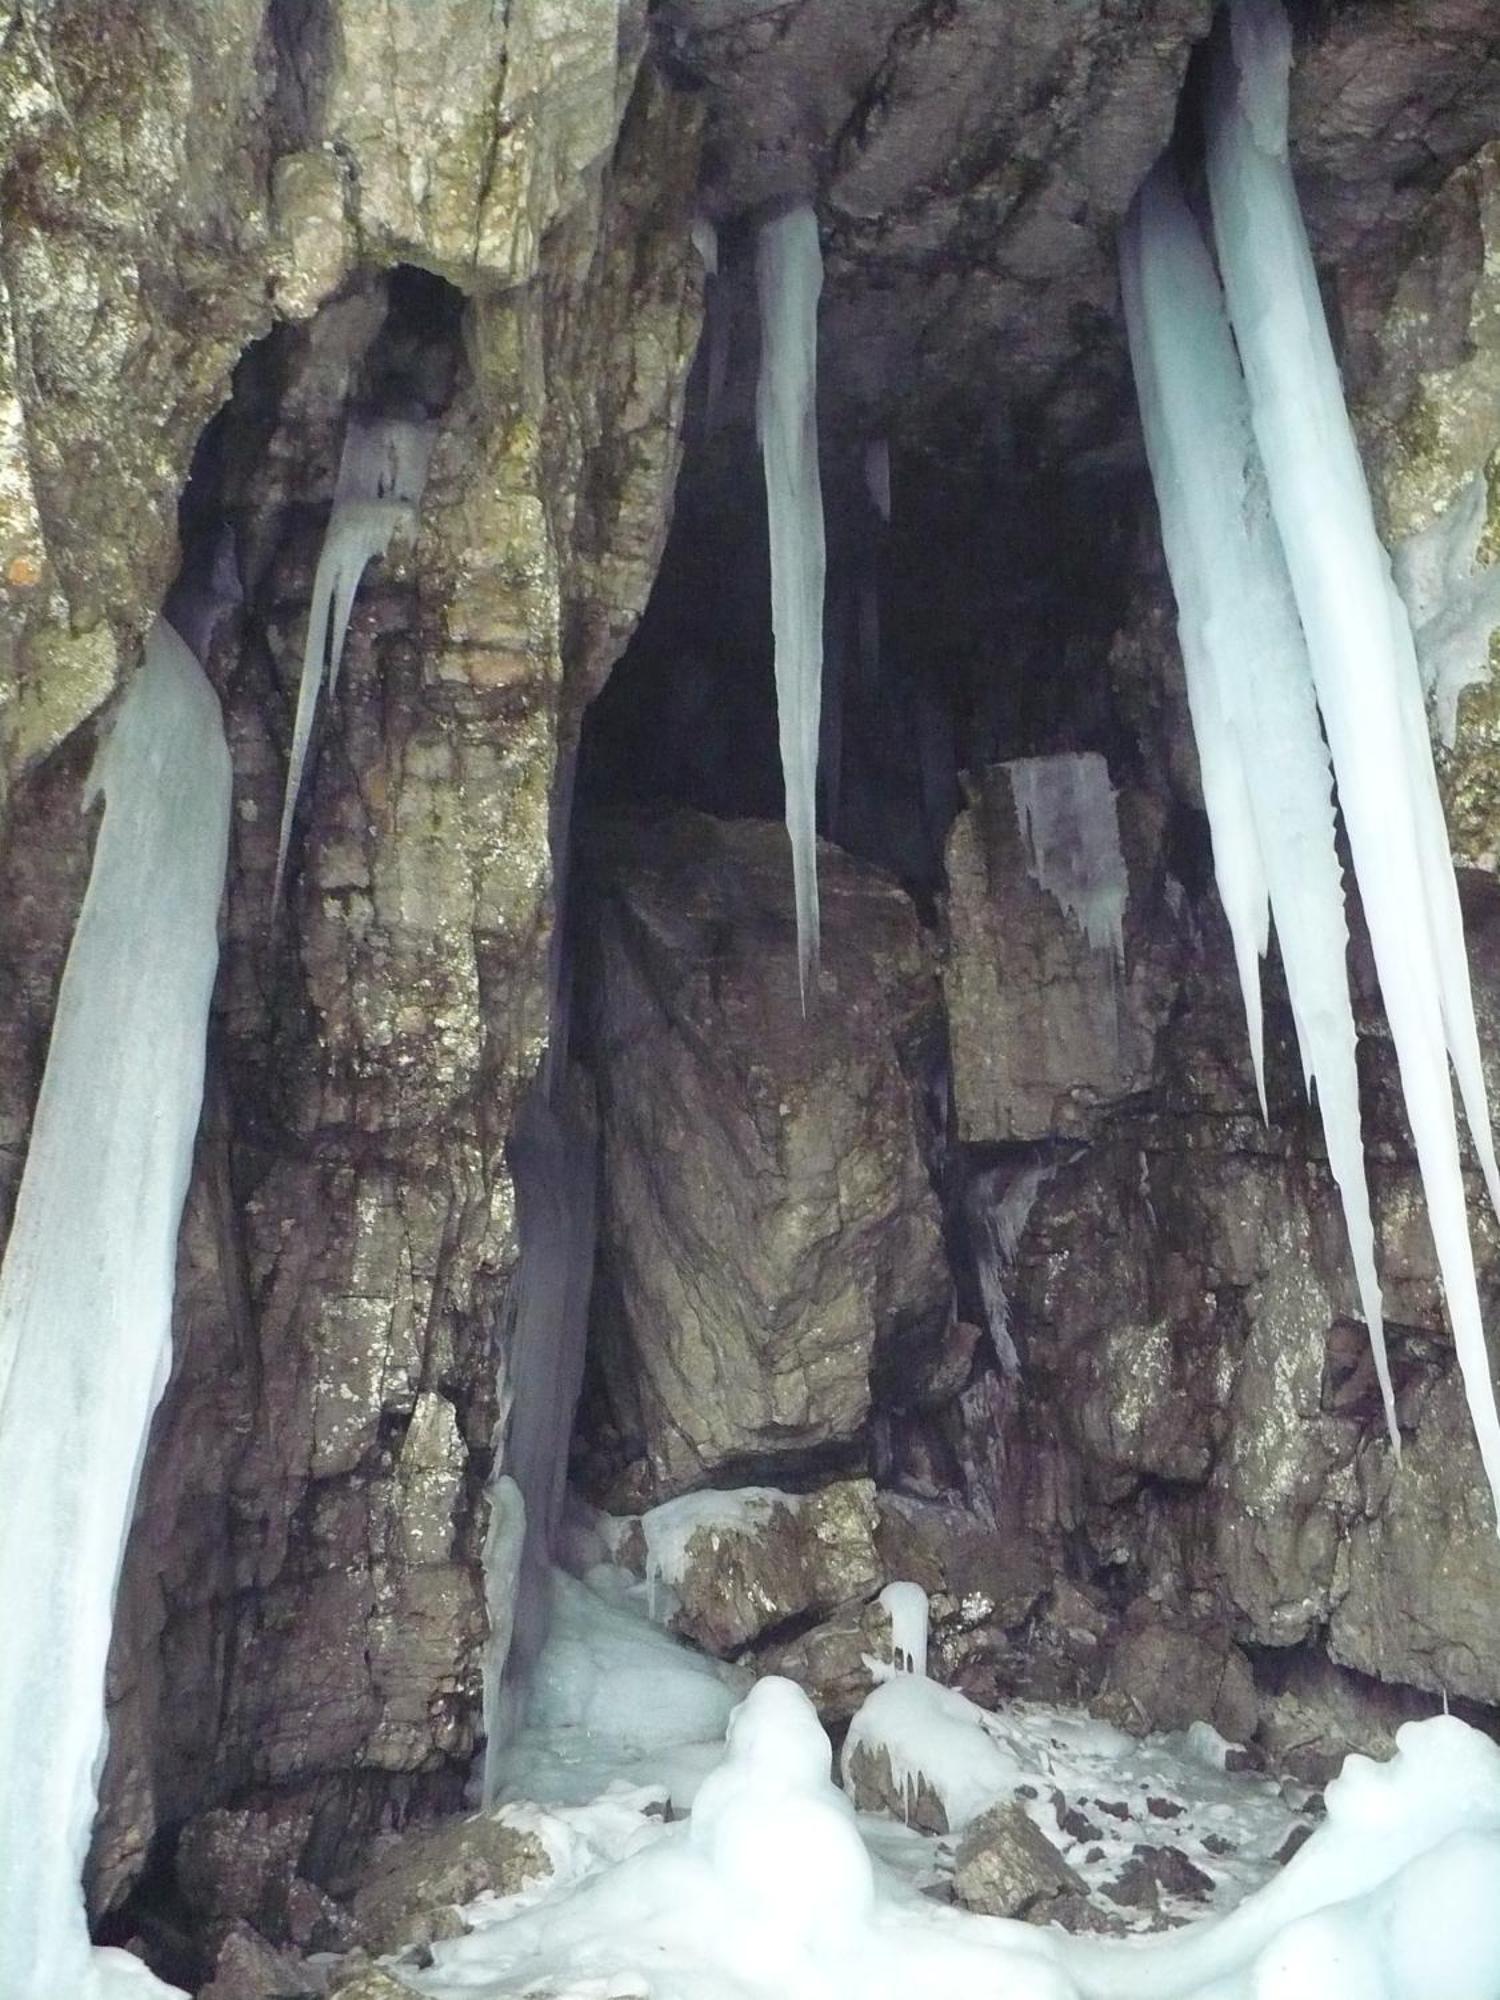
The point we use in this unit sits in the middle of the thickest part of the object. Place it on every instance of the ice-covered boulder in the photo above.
(742, 1561)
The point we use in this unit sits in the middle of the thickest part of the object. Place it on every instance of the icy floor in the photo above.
(773, 1889)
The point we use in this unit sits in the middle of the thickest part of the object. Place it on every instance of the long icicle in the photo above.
(1266, 777)
(789, 278)
(1359, 641)
(382, 471)
(86, 1290)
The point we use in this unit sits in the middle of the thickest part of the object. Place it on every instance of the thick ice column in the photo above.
(1266, 779)
(382, 472)
(1359, 642)
(789, 278)
(86, 1286)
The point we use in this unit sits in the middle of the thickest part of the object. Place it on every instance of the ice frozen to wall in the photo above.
(1267, 785)
(86, 1291)
(382, 472)
(1065, 809)
(1360, 646)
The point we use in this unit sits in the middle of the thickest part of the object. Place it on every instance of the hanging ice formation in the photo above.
(1266, 780)
(1359, 651)
(1453, 602)
(86, 1292)
(789, 278)
(997, 1222)
(1065, 809)
(552, 1158)
(382, 472)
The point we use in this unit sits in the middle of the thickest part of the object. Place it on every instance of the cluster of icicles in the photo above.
(1288, 612)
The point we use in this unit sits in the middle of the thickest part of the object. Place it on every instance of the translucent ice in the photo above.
(381, 475)
(86, 1289)
(1266, 778)
(1360, 646)
(789, 278)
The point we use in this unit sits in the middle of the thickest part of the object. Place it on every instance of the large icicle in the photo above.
(1266, 779)
(86, 1289)
(789, 278)
(381, 474)
(1359, 642)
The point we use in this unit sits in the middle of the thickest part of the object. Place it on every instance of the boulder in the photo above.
(768, 1230)
(1007, 1867)
(248, 1968)
(413, 1890)
(744, 1561)
(829, 1660)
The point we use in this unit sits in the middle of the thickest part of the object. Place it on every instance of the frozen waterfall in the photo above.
(789, 278)
(1266, 779)
(382, 472)
(86, 1292)
(1359, 649)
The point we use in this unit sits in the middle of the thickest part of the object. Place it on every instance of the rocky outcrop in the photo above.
(1044, 1025)
(282, 217)
(416, 1884)
(173, 184)
(769, 1235)
(1199, 1385)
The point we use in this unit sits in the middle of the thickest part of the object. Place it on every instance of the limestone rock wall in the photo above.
(769, 1236)
(274, 213)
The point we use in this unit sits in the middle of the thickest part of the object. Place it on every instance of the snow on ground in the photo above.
(775, 1889)
(1099, 1795)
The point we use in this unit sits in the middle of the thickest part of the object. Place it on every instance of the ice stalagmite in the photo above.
(789, 277)
(1266, 779)
(86, 1290)
(381, 475)
(1359, 642)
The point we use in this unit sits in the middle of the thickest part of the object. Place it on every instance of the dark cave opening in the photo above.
(971, 626)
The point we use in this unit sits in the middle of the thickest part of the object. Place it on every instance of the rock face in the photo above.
(1044, 1026)
(1430, 429)
(768, 1231)
(1201, 1390)
(286, 213)
(174, 182)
